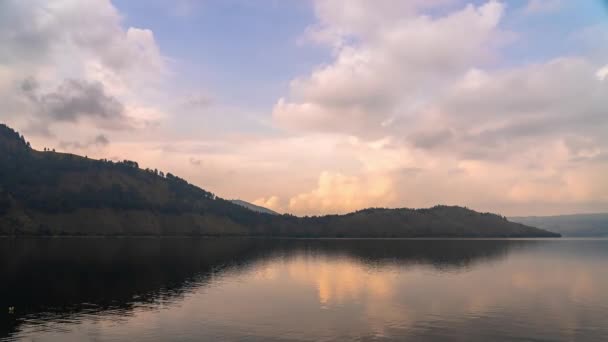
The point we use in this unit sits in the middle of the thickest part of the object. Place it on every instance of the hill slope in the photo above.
(254, 207)
(48, 193)
(579, 225)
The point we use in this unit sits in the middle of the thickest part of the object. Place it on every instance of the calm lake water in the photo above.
(303, 290)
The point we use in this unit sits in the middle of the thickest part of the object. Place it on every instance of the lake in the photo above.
(146, 289)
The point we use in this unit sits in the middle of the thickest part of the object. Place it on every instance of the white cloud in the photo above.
(602, 74)
(63, 44)
(513, 108)
(395, 82)
(64, 32)
(390, 69)
(363, 18)
(426, 86)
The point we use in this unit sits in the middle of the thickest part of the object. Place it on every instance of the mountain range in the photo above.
(50, 193)
(577, 225)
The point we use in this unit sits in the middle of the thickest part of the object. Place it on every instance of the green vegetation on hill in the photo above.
(49, 193)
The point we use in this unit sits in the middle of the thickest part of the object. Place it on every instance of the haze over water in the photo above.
(303, 290)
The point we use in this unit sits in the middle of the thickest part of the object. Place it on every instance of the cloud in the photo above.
(39, 30)
(417, 105)
(195, 162)
(602, 74)
(390, 84)
(99, 141)
(344, 19)
(425, 90)
(581, 147)
(338, 193)
(83, 71)
(514, 109)
(56, 40)
(417, 78)
(389, 69)
(431, 138)
(74, 100)
(272, 203)
(196, 101)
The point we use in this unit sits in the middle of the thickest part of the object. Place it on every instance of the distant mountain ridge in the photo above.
(254, 207)
(48, 193)
(577, 225)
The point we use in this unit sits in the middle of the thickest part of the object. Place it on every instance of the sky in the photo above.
(325, 106)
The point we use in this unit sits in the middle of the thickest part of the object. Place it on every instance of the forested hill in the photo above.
(49, 193)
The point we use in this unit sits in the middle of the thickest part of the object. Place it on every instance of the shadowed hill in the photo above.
(254, 207)
(578, 225)
(49, 193)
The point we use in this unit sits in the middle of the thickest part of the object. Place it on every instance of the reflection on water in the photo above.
(281, 289)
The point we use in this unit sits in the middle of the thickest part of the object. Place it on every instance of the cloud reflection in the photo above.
(305, 289)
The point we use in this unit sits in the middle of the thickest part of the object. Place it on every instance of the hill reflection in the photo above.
(51, 279)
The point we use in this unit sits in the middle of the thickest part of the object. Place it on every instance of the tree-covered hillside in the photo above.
(50, 193)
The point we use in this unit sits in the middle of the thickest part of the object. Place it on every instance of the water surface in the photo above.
(303, 290)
